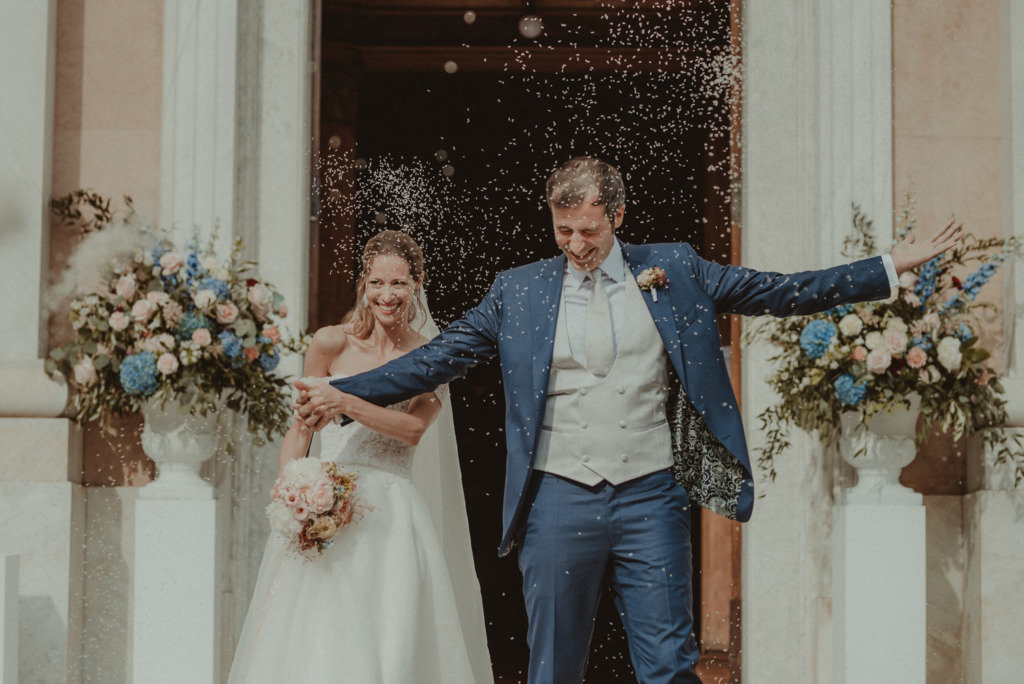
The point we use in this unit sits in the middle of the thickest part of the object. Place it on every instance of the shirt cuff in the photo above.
(890, 270)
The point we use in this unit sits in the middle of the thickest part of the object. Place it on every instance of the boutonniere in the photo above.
(651, 279)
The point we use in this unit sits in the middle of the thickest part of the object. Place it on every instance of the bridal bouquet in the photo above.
(160, 323)
(311, 502)
(871, 357)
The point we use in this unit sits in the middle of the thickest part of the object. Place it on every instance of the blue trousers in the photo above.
(638, 535)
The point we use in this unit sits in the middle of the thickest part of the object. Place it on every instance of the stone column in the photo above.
(41, 503)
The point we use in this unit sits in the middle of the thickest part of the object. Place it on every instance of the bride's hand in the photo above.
(322, 402)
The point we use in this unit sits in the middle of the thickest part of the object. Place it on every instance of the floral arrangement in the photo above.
(311, 502)
(873, 356)
(164, 324)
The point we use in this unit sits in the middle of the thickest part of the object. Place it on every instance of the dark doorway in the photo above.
(458, 158)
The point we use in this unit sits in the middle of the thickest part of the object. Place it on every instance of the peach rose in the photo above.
(272, 333)
(171, 263)
(252, 353)
(320, 499)
(167, 363)
(85, 372)
(300, 511)
(896, 340)
(143, 310)
(202, 337)
(859, 353)
(917, 357)
(227, 312)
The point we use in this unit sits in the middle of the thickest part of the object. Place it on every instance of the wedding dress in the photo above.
(379, 604)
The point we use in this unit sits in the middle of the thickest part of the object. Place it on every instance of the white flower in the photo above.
(908, 279)
(188, 353)
(949, 353)
(215, 268)
(166, 341)
(126, 286)
(930, 374)
(896, 323)
(158, 297)
(167, 363)
(204, 299)
(874, 340)
(879, 359)
(85, 372)
(303, 472)
(931, 320)
(281, 519)
(143, 309)
(260, 300)
(147, 258)
(851, 325)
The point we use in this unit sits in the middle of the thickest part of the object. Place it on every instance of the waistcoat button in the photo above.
(625, 458)
(622, 424)
(584, 425)
(622, 390)
(586, 459)
(583, 392)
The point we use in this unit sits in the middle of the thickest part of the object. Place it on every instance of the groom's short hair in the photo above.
(572, 182)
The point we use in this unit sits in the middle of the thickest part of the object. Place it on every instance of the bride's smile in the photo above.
(389, 290)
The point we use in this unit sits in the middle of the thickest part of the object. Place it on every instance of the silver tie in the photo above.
(600, 345)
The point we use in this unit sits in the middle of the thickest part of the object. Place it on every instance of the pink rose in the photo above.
(167, 363)
(227, 312)
(878, 360)
(300, 511)
(252, 353)
(157, 297)
(260, 300)
(290, 495)
(119, 321)
(320, 499)
(126, 286)
(917, 357)
(859, 353)
(896, 340)
(272, 333)
(85, 372)
(171, 263)
(143, 310)
(202, 337)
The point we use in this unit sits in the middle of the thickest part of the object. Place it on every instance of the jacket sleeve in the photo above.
(739, 290)
(459, 347)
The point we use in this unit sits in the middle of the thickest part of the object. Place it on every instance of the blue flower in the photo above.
(964, 332)
(158, 251)
(977, 280)
(138, 374)
(925, 285)
(817, 337)
(848, 390)
(232, 345)
(191, 322)
(921, 341)
(217, 285)
(841, 310)
(270, 359)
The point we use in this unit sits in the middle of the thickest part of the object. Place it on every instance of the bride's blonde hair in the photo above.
(385, 243)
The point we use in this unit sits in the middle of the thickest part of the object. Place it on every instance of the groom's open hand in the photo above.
(909, 253)
(319, 403)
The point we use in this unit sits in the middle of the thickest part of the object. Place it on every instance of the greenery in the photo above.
(165, 324)
(870, 357)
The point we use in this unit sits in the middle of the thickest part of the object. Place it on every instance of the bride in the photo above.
(395, 599)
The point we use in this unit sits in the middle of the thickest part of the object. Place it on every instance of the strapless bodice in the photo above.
(355, 444)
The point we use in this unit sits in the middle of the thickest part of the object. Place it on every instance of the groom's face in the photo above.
(585, 233)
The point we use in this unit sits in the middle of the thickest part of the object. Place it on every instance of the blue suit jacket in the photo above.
(516, 320)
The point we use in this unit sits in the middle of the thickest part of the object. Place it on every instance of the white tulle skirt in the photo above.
(378, 606)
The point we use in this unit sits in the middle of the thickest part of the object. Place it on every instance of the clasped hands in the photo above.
(318, 403)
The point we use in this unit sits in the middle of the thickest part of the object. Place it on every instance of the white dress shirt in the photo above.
(577, 288)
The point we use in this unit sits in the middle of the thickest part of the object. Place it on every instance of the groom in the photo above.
(619, 413)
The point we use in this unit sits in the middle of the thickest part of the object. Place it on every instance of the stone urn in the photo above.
(179, 440)
(879, 452)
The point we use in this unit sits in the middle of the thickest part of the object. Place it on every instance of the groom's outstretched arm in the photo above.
(739, 290)
(463, 344)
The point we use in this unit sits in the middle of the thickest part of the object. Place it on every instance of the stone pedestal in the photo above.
(994, 583)
(879, 568)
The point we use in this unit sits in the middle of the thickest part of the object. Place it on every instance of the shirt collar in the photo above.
(613, 266)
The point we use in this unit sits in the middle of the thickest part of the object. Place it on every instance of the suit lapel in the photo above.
(661, 310)
(545, 295)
